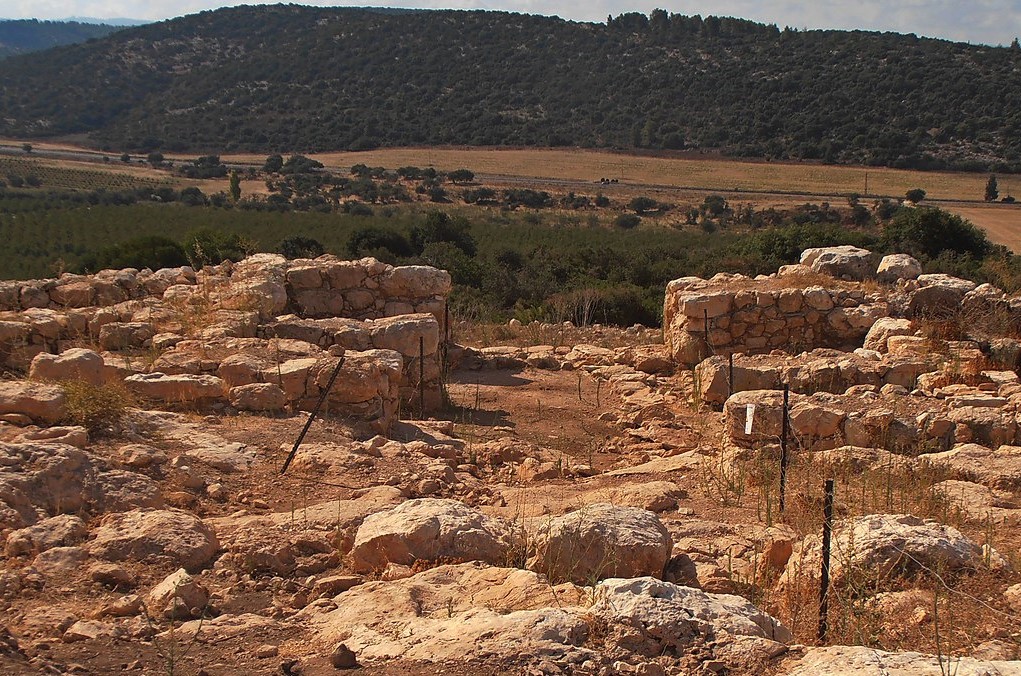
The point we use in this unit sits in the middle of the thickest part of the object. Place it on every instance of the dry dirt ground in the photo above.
(543, 407)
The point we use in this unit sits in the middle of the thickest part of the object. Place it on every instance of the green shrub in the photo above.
(211, 247)
(151, 251)
(300, 247)
(627, 221)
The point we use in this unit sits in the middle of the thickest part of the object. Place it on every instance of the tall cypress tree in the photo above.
(992, 191)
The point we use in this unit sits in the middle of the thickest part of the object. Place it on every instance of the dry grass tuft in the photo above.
(97, 408)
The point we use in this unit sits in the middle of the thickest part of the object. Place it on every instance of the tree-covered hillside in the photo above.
(291, 78)
(21, 36)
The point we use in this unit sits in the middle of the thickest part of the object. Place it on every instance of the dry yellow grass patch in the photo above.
(1002, 222)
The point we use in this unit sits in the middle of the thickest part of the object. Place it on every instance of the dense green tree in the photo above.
(299, 164)
(441, 227)
(273, 164)
(386, 245)
(207, 166)
(715, 206)
(150, 251)
(627, 221)
(461, 176)
(992, 190)
(193, 197)
(298, 246)
(927, 232)
(235, 186)
(915, 195)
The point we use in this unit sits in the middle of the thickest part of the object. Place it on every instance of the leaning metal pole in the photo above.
(312, 415)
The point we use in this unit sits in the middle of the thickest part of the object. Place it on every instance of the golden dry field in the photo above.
(1002, 222)
(680, 171)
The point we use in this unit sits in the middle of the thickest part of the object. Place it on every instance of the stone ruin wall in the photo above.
(758, 319)
(262, 333)
(782, 312)
(323, 287)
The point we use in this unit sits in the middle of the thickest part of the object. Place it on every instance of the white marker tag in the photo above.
(748, 417)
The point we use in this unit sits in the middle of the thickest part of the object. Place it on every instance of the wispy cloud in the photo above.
(979, 21)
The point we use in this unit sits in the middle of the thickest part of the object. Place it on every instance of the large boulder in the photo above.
(257, 397)
(885, 327)
(178, 596)
(404, 334)
(58, 531)
(938, 294)
(886, 546)
(712, 378)
(430, 529)
(841, 262)
(415, 281)
(360, 379)
(601, 541)
(655, 496)
(810, 421)
(979, 503)
(45, 404)
(473, 612)
(865, 661)
(123, 335)
(180, 388)
(74, 364)
(1000, 468)
(258, 283)
(169, 534)
(755, 416)
(455, 612)
(74, 292)
(898, 266)
(119, 491)
(652, 608)
(38, 480)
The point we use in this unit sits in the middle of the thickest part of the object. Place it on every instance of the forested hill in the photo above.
(21, 36)
(291, 78)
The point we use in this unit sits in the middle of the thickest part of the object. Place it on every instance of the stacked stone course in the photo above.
(272, 327)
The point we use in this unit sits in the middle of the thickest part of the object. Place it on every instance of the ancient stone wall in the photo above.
(323, 287)
(265, 321)
(754, 317)
(825, 302)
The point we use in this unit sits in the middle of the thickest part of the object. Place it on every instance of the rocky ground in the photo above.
(581, 503)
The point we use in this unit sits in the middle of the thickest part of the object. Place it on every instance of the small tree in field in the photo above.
(915, 195)
(992, 190)
(235, 186)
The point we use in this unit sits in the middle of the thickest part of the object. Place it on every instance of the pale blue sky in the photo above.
(980, 21)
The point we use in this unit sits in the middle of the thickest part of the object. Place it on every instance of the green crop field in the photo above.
(77, 175)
